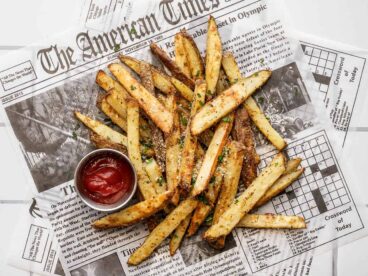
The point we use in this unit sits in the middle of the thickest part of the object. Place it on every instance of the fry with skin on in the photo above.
(160, 79)
(233, 166)
(259, 119)
(247, 200)
(107, 83)
(154, 173)
(272, 221)
(181, 55)
(213, 56)
(102, 143)
(156, 134)
(199, 215)
(162, 231)
(134, 213)
(190, 141)
(173, 151)
(280, 185)
(146, 187)
(227, 101)
(171, 65)
(178, 235)
(194, 58)
(211, 157)
(184, 90)
(149, 103)
(242, 132)
(110, 112)
(292, 165)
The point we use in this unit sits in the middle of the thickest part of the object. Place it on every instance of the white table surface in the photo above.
(26, 22)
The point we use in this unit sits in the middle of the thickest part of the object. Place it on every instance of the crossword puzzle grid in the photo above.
(321, 63)
(320, 188)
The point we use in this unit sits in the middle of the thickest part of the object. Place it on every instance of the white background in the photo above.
(27, 21)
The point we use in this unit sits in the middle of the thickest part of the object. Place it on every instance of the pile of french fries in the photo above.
(188, 134)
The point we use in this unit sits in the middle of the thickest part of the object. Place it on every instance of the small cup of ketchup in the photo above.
(105, 180)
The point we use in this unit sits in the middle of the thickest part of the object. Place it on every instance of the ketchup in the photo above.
(106, 178)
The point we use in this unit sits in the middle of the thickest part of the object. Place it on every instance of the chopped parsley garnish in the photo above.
(160, 180)
(75, 136)
(197, 74)
(261, 100)
(235, 80)
(148, 161)
(226, 119)
(236, 201)
(175, 236)
(209, 219)
(133, 31)
(183, 121)
(202, 199)
(221, 158)
(117, 48)
(212, 180)
(193, 181)
(201, 103)
(181, 142)
(199, 95)
(256, 74)
(132, 87)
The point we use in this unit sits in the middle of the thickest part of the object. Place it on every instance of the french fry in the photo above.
(190, 141)
(233, 165)
(154, 173)
(280, 185)
(134, 213)
(184, 90)
(257, 116)
(211, 157)
(162, 231)
(247, 200)
(272, 221)
(107, 83)
(102, 143)
(227, 101)
(173, 151)
(242, 132)
(149, 103)
(111, 113)
(117, 101)
(222, 83)
(102, 129)
(181, 55)
(213, 56)
(178, 235)
(160, 79)
(146, 187)
(171, 65)
(292, 164)
(156, 134)
(199, 215)
(195, 61)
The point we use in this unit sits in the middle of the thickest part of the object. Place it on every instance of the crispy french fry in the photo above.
(179, 235)
(247, 200)
(156, 134)
(162, 231)
(242, 132)
(292, 164)
(107, 83)
(195, 61)
(181, 55)
(102, 143)
(154, 173)
(233, 165)
(149, 103)
(280, 185)
(184, 90)
(171, 65)
(102, 129)
(111, 113)
(227, 101)
(146, 187)
(257, 116)
(213, 56)
(211, 157)
(190, 141)
(173, 151)
(160, 79)
(262, 123)
(199, 215)
(134, 213)
(272, 221)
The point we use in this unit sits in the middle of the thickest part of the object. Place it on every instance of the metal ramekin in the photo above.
(99, 206)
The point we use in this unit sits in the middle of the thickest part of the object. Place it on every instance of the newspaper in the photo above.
(61, 79)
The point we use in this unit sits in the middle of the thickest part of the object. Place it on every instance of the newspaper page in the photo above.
(61, 79)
